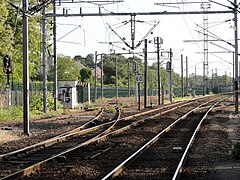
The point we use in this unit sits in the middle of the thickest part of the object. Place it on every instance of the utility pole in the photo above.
(236, 55)
(128, 78)
(238, 72)
(205, 7)
(55, 88)
(158, 71)
(225, 81)
(44, 60)
(25, 69)
(195, 76)
(170, 77)
(101, 76)
(186, 75)
(203, 80)
(233, 85)
(212, 79)
(182, 75)
(136, 71)
(95, 78)
(216, 75)
(116, 75)
(145, 73)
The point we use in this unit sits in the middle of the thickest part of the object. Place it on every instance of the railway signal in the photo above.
(7, 68)
(7, 64)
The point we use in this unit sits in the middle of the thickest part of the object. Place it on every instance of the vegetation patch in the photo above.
(13, 113)
(89, 107)
(36, 104)
(111, 110)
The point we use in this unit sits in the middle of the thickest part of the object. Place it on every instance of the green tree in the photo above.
(86, 75)
(108, 69)
(67, 69)
(88, 61)
(11, 38)
(78, 58)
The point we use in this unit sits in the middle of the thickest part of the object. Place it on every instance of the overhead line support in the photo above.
(138, 13)
(25, 69)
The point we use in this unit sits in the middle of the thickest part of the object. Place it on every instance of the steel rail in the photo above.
(135, 123)
(112, 126)
(181, 163)
(30, 169)
(77, 131)
(39, 165)
(166, 106)
(115, 172)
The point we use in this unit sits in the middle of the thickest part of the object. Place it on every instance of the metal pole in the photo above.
(116, 75)
(195, 76)
(233, 74)
(216, 79)
(95, 78)
(225, 81)
(170, 77)
(25, 70)
(145, 73)
(101, 76)
(139, 97)
(212, 80)
(158, 72)
(238, 70)
(55, 88)
(182, 84)
(136, 89)
(236, 55)
(186, 75)
(162, 90)
(44, 60)
(8, 91)
(203, 79)
(128, 78)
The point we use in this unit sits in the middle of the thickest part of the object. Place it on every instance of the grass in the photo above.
(13, 113)
(111, 110)
(16, 113)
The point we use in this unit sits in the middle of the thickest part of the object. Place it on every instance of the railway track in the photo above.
(26, 160)
(164, 155)
(90, 145)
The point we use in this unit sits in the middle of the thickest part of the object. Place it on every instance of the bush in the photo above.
(236, 151)
(36, 103)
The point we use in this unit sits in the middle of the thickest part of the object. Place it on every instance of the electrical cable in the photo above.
(69, 33)
(214, 35)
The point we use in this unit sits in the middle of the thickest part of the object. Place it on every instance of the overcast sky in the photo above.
(90, 34)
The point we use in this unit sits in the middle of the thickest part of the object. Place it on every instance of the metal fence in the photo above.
(16, 93)
(108, 92)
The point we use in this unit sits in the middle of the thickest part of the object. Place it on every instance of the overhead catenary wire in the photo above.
(68, 33)
(213, 35)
